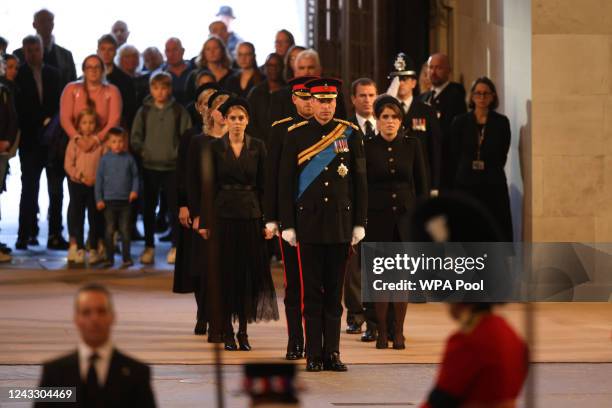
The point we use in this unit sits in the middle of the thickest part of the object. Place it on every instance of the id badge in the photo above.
(478, 165)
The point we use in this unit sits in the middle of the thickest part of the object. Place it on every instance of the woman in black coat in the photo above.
(479, 149)
(397, 177)
(244, 270)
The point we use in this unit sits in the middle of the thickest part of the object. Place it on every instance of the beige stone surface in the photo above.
(573, 185)
(535, 189)
(563, 229)
(572, 16)
(570, 64)
(569, 125)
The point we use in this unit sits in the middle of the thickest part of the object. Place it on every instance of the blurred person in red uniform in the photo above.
(485, 362)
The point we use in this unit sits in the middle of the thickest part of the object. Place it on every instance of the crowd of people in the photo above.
(242, 160)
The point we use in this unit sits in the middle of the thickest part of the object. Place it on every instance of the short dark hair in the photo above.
(116, 131)
(31, 40)
(93, 287)
(9, 57)
(3, 42)
(486, 81)
(109, 39)
(361, 82)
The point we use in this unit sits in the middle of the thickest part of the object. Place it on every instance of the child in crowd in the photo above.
(81, 167)
(155, 136)
(116, 188)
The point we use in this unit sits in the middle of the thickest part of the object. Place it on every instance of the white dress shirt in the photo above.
(102, 364)
(407, 102)
(438, 89)
(362, 123)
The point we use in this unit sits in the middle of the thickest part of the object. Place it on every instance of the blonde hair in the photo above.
(82, 114)
(225, 59)
(209, 122)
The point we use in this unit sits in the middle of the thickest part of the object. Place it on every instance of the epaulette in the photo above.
(296, 125)
(278, 122)
(346, 122)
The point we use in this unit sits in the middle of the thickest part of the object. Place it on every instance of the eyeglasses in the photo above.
(482, 94)
(92, 67)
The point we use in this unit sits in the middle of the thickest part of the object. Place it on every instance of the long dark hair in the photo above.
(91, 104)
(225, 59)
(257, 76)
(486, 81)
(288, 71)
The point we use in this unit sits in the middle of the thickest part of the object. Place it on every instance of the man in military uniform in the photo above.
(323, 207)
(420, 119)
(293, 300)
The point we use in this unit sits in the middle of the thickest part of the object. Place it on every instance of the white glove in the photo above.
(289, 236)
(272, 226)
(358, 234)
(434, 193)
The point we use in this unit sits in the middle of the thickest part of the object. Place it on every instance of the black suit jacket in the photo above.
(333, 203)
(276, 140)
(421, 122)
(125, 83)
(397, 176)
(494, 150)
(448, 104)
(239, 182)
(128, 383)
(31, 110)
(59, 58)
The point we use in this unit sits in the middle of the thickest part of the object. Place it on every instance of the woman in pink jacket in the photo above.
(94, 93)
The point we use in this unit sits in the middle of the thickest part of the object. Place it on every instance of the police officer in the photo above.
(420, 119)
(323, 207)
(293, 308)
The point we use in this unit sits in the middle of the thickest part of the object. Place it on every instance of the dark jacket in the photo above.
(336, 200)
(239, 182)
(421, 122)
(397, 177)
(128, 383)
(494, 150)
(31, 110)
(233, 84)
(59, 58)
(278, 133)
(260, 120)
(8, 116)
(448, 104)
(125, 83)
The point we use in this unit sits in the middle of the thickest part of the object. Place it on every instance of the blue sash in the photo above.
(316, 164)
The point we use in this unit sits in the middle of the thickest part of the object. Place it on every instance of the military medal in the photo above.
(419, 124)
(478, 165)
(342, 170)
(341, 146)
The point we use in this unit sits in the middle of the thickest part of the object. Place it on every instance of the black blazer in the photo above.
(494, 150)
(125, 83)
(397, 176)
(31, 110)
(421, 122)
(128, 383)
(278, 133)
(448, 104)
(233, 84)
(259, 124)
(332, 204)
(58, 57)
(239, 182)
(193, 172)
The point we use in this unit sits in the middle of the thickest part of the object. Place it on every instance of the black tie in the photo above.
(369, 130)
(433, 97)
(92, 386)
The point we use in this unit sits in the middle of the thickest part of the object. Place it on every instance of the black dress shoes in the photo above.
(314, 364)
(200, 328)
(382, 342)
(57, 243)
(294, 352)
(33, 241)
(230, 343)
(353, 328)
(333, 363)
(21, 243)
(243, 341)
(369, 336)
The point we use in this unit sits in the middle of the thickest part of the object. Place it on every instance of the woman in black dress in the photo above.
(397, 177)
(244, 271)
(248, 74)
(186, 275)
(480, 144)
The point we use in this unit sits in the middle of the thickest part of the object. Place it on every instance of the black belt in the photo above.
(237, 187)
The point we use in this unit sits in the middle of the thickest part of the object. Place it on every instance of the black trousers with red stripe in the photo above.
(323, 268)
(293, 294)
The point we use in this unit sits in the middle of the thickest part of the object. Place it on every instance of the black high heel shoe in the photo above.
(382, 341)
(243, 341)
(200, 328)
(399, 342)
(230, 342)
